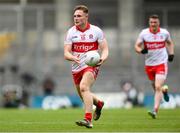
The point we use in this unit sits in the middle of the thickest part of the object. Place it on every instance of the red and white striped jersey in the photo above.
(83, 41)
(156, 45)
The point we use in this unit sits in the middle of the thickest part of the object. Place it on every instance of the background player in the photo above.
(153, 42)
(83, 37)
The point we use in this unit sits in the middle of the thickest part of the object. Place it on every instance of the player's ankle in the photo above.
(100, 104)
(88, 116)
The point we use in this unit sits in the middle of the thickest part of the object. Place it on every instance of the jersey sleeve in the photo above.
(68, 38)
(140, 37)
(100, 35)
(168, 36)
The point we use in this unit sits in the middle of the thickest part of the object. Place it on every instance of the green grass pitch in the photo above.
(112, 120)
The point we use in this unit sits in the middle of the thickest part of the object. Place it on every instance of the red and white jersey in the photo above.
(83, 41)
(156, 45)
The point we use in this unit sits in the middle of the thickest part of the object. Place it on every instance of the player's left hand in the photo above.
(170, 57)
(100, 62)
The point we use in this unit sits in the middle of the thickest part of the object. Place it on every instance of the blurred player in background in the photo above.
(83, 37)
(156, 44)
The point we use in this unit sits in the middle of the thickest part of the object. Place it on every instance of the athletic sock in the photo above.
(88, 116)
(99, 104)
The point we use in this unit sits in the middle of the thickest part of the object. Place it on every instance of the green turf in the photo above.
(112, 120)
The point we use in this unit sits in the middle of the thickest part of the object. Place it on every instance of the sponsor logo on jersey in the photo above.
(154, 45)
(84, 46)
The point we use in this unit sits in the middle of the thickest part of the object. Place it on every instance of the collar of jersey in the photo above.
(87, 27)
(154, 32)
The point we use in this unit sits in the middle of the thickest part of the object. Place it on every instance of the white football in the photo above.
(92, 58)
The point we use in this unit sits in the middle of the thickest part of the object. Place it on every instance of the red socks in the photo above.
(100, 104)
(88, 116)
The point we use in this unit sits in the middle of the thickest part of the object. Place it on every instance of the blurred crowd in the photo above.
(21, 86)
(133, 96)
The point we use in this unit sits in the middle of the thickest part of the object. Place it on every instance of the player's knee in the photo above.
(83, 88)
(158, 87)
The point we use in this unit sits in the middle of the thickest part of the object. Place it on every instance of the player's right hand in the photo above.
(144, 51)
(76, 60)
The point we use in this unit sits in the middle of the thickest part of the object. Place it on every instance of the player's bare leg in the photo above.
(157, 96)
(95, 98)
(85, 85)
(79, 93)
(96, 101)
(83, 122)
(164, 90)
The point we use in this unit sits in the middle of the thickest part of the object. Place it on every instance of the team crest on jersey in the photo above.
(91, 36)
(83, 37)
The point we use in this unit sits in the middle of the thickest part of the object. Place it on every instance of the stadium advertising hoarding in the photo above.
(112, 100)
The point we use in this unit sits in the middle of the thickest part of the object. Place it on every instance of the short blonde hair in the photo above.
(82, 7)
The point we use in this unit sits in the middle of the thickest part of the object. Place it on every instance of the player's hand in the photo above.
(144, 51)
(76, 60)
(100, 62)
(170, 57)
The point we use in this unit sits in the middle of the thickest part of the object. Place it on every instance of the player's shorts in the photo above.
(78, 76)
(158, 71)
